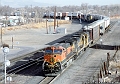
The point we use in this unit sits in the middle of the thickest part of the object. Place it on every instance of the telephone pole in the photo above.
(55, 20)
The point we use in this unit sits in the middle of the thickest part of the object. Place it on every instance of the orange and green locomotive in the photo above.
(59, 55)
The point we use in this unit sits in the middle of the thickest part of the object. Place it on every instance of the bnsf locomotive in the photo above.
(57, 56)
(61, 54)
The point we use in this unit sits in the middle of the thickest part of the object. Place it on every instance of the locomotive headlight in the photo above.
(46, 64)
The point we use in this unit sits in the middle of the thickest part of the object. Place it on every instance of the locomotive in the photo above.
(61, 54)
(57, 56)
(91, 17)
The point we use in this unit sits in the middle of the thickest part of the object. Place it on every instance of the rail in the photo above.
(46, 80)
(28, 63)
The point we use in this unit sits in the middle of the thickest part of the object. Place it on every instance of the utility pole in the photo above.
(1, 34)
(46, 26)
(1, 27)
(71, 17)
(31, 11)
(55, 20)
(12, 42)
(6, 21)
(0, 3)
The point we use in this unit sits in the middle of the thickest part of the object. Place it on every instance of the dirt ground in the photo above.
(35, 25)
(26, 40)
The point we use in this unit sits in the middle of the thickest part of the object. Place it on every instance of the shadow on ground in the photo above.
(105, 47)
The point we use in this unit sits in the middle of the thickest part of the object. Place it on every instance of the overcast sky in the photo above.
(78, 2)
(57, 2)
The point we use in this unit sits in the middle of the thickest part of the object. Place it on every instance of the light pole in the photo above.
(5, 51)
(71, 16)
(109, 14)
(12, 41)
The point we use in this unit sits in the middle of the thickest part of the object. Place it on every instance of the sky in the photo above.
(78, 2)
(19, 3)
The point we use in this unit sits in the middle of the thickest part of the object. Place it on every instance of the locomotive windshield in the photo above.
(48, 51)
(58, 51)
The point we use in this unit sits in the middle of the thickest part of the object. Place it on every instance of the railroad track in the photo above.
(31, 63)
(46, 80)
(21, 67)
(23, 56)
(24, 66)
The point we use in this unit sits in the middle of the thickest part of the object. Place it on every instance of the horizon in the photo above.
(45, 3)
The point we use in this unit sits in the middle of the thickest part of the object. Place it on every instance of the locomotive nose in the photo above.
(52, 59)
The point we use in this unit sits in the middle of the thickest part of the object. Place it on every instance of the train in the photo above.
(61, 54)
(75, 15)
(62, 15)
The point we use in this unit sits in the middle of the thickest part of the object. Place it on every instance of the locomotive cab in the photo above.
(53, 57)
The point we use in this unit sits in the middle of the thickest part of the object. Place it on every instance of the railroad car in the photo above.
(59, 15)
(83, 17)
(74, 15)
(107, 22)
(98, 26)
(61, 54)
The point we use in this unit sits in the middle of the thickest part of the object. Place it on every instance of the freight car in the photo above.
(61, 54)
(98, 26)
(62, 15)
(74, 15)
